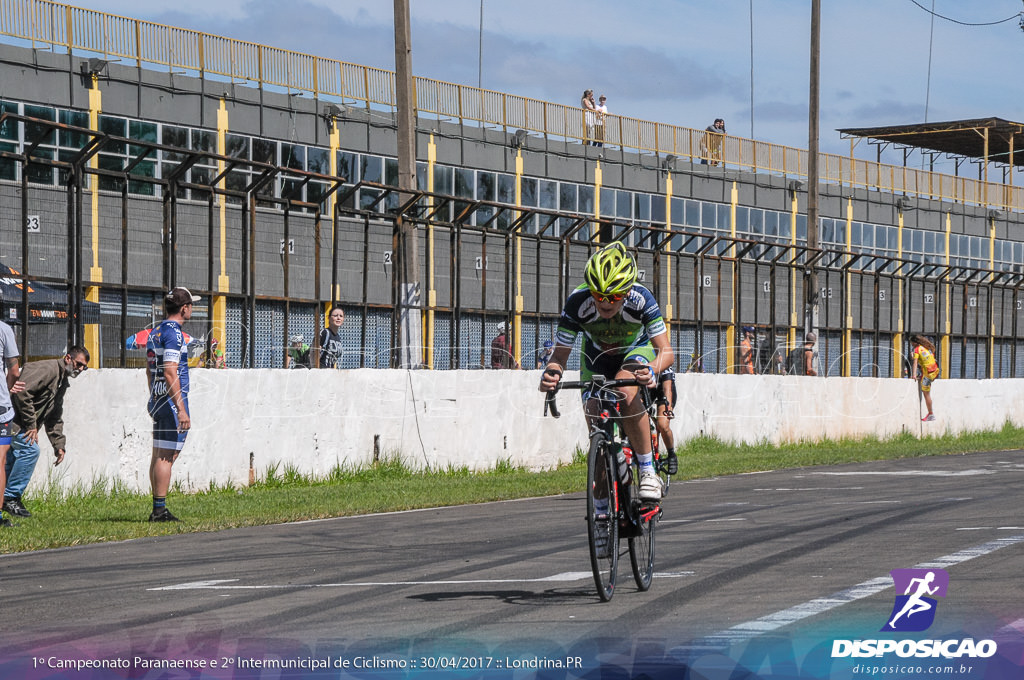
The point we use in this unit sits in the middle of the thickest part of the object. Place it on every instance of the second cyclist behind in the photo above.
(624, 336)
(664, 395)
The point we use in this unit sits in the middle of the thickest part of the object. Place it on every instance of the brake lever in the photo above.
(549, 403)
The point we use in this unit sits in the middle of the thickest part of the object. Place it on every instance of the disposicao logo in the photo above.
(914, 610)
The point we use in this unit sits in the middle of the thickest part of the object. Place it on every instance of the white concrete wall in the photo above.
(314, 420)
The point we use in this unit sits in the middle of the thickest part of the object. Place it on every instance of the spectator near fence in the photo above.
(712, 142)
(298, 353)
(501, 352)
(801, 360)
(330, 339)
(215, 358)
(544, 356)
(9, 355)
(589, 115)
(40, 405)
(925, 369)
(602, 113)
(747, 351)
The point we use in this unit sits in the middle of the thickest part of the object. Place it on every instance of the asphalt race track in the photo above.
(799, 556)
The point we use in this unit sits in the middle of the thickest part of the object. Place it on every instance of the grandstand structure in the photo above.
(135, 156)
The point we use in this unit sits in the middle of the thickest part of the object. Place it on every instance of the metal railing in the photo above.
(143, 42)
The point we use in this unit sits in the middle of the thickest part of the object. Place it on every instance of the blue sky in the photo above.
(683, 62)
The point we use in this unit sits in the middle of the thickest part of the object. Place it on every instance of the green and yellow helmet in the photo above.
(611, 270)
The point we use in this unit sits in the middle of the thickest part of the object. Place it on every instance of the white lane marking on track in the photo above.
(751, 629)
(816, 488)
(911, 473)
(224, 584)
(232, 583)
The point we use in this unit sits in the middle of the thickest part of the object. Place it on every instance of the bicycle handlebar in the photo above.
(597, 381)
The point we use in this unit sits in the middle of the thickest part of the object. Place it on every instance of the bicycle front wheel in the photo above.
(602, 515)
(641, 547)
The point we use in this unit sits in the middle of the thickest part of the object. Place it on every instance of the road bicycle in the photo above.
(614, 508)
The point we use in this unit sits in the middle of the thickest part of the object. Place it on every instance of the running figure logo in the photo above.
(914, 610)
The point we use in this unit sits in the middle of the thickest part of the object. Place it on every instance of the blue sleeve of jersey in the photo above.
(173, 344)
(654, 322)
(569, 323)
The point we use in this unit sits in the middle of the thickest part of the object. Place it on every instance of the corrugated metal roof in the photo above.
(956, 137)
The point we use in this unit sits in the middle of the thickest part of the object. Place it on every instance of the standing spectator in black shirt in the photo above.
(330, 339)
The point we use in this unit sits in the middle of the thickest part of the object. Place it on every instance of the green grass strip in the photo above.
(106, 511)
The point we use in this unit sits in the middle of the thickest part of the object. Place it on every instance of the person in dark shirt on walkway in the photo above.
(712, 142)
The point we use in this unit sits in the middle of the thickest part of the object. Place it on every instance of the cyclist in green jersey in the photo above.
(624, 337)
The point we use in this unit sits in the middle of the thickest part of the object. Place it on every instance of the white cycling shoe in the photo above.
(650, 486)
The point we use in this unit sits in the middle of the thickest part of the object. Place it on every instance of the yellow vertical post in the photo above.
(845, 368)
(219, 310)
(947, 327)
(334, 140)
(793, 318)
(897, 338)
(598, 178)
(730, 330)
(992, 266)
(668, 249)
(517, 321)
(431, 266)
(92, 292)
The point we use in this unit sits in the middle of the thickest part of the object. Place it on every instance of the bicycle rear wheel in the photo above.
(602, 522)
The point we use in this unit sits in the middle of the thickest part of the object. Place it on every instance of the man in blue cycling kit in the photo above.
(167, 373)
(624, 337)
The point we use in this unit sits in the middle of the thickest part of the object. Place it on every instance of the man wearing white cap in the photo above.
(501, 350)
(167, 372)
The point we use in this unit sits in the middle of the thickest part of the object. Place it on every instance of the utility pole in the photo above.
(811, 278)
(406, 294)
(480, 57)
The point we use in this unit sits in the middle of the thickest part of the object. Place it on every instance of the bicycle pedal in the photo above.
(649, 511)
